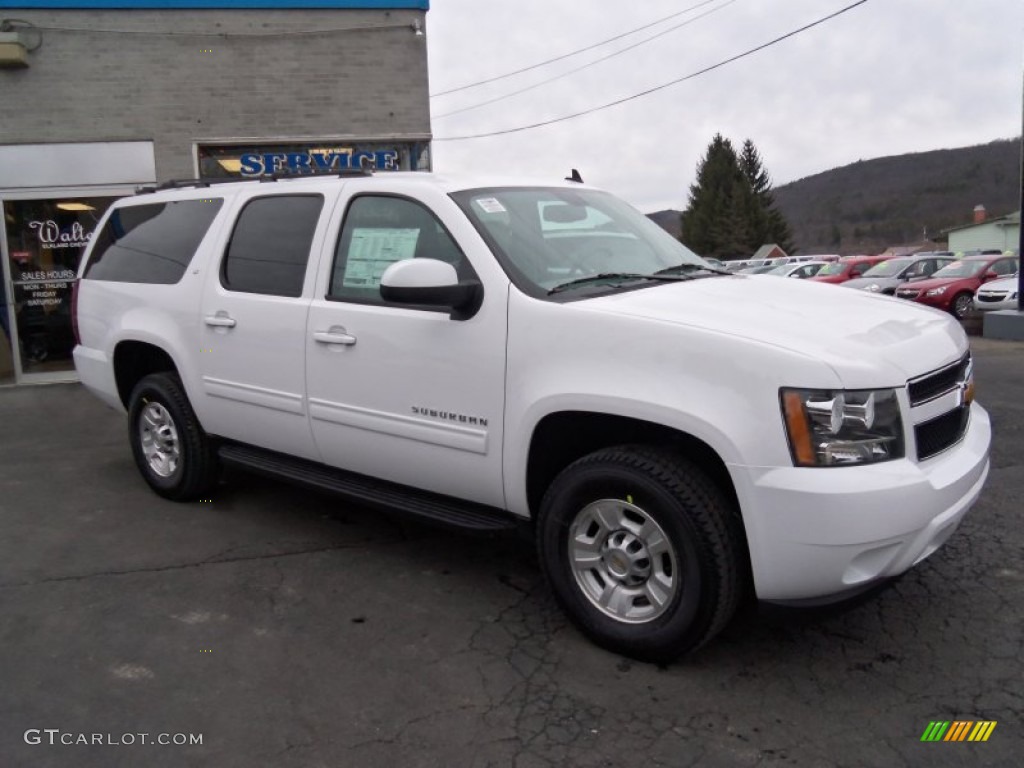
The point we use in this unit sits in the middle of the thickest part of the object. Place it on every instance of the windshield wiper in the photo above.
(690, 268)
(616, 276)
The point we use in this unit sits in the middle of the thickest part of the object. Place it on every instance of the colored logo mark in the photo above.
(958, 730)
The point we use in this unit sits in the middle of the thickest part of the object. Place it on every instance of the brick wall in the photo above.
(181, 88)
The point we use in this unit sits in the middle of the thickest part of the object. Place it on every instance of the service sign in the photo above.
(254, 160)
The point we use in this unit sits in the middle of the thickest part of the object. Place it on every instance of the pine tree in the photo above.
(716, 220)
(731, 210)
(769, 223)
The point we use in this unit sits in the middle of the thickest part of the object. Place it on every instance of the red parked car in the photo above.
(952, 287)
(847, 268)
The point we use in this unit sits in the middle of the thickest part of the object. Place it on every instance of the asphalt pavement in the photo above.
(286, 629)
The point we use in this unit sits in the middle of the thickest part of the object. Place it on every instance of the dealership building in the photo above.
(98, 98)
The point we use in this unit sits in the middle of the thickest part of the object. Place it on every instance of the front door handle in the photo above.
(335, 335)
(220, 320)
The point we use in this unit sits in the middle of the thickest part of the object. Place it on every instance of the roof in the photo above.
(306, 182)
(767, 250)
(1009, 220)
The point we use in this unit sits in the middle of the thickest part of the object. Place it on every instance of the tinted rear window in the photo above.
(269, 248)
(150, 243)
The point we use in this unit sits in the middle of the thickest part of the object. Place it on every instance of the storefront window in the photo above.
(45, 242)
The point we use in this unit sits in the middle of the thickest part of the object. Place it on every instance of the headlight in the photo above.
(874, 287)
(937, 291)
(833, 428)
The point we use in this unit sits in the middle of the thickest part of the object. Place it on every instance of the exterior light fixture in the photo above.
(14, 45)
(416, 28)
(13, 54)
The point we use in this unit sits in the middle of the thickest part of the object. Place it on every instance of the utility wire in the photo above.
(649, 91)
(571, 54)
(585, 66)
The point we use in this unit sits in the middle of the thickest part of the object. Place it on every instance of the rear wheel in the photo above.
(642, 551)
(961, 305)
(170, 448)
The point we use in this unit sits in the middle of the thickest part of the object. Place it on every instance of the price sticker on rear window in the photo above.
(490, 205)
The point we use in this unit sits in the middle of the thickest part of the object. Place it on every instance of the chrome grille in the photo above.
(938, 383)
(991, 296)
(940, 407)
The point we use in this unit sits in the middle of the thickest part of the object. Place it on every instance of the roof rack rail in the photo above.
(277, 176)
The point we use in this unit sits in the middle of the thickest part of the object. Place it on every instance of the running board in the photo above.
(429, 507)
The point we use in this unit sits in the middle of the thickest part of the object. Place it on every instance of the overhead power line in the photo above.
(585, 66)
(656, 88)
(571, 53)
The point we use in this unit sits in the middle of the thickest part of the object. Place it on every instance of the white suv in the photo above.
(492, 355)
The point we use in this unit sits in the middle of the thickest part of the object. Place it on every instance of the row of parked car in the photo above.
(982, 281)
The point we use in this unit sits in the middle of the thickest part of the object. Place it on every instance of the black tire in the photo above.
(961, 305)
(194, 471)
(703, 532)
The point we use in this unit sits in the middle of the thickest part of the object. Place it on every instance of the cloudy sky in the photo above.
(885, 78)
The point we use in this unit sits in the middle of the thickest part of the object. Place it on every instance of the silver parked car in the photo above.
(998, 294)
(886, 276)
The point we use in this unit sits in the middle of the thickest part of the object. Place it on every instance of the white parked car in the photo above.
(493, 355)
(800, 270)
(998, 294)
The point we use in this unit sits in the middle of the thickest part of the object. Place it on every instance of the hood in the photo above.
(869, 340)
(1003, 284)
(864, 282)
(842, 277)
(934, 282)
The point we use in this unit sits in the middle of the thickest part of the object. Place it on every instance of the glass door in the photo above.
(45, 240)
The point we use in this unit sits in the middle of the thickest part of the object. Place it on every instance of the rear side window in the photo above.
(269, 248)
(150, 243)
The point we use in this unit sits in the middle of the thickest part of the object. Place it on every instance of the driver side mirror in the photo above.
(431, 283)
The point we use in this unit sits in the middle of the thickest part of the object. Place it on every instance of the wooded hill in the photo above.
(871, 204)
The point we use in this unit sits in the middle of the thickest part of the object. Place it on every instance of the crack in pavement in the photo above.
(181, 566)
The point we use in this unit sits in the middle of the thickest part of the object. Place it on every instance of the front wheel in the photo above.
(170, 448)
(642, 551)
(961, 305)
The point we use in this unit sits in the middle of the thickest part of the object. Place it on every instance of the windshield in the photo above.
(960, 269)
(887, 268)
(833, 268)
(546, 237)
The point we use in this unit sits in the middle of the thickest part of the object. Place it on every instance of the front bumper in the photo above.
(815, 532)
(939, 301)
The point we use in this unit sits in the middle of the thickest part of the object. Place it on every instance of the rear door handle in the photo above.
(335, 335)
(220, 320)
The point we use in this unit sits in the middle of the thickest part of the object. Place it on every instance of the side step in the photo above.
(429, 507)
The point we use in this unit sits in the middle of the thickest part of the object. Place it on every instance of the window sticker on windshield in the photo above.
(373, 250)
(490, 205)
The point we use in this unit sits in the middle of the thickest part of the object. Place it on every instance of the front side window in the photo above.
(1005, 267)
(269, 249)
(151, 243)
(545, 237)
(380, 230)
